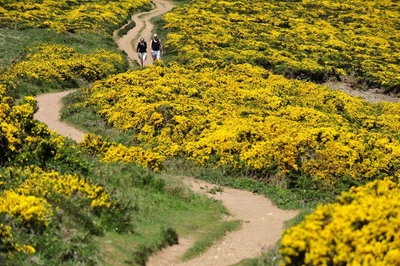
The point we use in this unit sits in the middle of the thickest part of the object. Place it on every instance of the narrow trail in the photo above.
(50, 105)
(143, 28)
(261, 228)
(262, 221)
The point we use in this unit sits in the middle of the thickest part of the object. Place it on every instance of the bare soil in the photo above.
(50, 105)
(262, 221)
(261, 228)
(370, 95)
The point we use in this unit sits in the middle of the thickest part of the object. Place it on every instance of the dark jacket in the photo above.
(156, 45)
(141, 47)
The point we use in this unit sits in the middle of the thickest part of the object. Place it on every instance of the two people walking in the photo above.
(155, 46)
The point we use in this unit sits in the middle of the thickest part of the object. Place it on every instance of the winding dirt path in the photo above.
(50, 105)
(262, 221)
(143, 29)
(261, 228)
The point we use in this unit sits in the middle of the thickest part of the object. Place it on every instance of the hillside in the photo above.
(238, 100)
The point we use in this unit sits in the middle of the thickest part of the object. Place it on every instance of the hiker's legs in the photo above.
(142, 57)
(155, 55)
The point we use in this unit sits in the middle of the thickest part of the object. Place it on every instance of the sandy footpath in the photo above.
(262, 221)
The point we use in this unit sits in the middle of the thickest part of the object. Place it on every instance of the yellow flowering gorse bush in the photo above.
(361, 228)
(244, 116)
(25, 207)
(111, 152)
(314, 39)
(67, 15)
(44, 184)
(53, 63)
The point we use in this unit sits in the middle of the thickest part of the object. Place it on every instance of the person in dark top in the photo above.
(156, 48)
(141, 49)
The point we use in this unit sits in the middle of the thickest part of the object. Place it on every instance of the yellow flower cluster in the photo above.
(44, 184)
(138, 155)
(5, 233)
(13, 119)
(361, 228)
(27, 249)
(68, 15)
(310, 38)
(244, 116)
(110, 152)
(26, 208)
(57, 63)
(94, 144)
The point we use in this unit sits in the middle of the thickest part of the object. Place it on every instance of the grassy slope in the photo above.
(159, 204)
(186, 213)
(163, 204)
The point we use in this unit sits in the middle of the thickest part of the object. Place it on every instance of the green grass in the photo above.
(161, 204)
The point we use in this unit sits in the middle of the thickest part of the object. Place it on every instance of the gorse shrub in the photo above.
(59, 66)
(309, 39)
(68, 16)
(29, 209)
(112, 152)
(361, 228)
(244, 117)
(217, 106)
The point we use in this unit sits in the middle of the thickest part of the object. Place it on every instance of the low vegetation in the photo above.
(238, 103)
